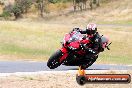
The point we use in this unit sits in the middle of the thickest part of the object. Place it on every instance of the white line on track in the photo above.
(57, 72)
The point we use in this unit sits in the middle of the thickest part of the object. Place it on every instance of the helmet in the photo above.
(91, 28)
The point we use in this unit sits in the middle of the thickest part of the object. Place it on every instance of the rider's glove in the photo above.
(91, 51)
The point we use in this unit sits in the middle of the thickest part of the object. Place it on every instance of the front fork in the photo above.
(64, 56)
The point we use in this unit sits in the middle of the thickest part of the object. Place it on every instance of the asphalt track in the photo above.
(25, 66)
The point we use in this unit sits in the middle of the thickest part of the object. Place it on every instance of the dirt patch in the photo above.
(55, 80)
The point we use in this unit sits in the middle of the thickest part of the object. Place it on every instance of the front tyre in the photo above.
(54, 60)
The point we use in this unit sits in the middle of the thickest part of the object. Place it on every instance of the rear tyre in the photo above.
(81, 80)
(54, 60)
(90, 62)
(85, 66)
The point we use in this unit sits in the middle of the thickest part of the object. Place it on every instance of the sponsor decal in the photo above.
(103, 78)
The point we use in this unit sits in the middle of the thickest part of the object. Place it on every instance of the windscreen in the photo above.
(76, 36)
(104, 39)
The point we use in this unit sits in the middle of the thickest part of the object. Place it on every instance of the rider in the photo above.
(95, 38)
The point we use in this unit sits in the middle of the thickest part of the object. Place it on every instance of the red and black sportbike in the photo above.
(73, 51)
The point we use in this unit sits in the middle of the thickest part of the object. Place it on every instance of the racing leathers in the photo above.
(92, 51)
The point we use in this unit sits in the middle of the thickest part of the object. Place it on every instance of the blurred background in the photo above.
(33, 29)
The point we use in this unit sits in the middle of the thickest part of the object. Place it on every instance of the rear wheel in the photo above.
(54, 60)
(89, 62)
(81, 80)
(85, 66)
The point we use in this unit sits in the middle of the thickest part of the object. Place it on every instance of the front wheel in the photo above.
(54, 60)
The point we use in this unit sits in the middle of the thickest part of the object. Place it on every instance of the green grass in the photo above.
(121, 49)
(38, 41)
(21, 40)
(18, 50)
(29, 40)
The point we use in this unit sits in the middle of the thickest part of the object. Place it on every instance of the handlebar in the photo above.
(108, 48)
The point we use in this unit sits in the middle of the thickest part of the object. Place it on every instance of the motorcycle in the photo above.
(73, 51)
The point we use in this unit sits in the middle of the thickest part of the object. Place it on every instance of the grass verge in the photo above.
(37, 41)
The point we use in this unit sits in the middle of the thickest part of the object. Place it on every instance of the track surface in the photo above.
(23, 66)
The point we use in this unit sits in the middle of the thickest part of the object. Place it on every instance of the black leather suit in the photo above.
(93, 51)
